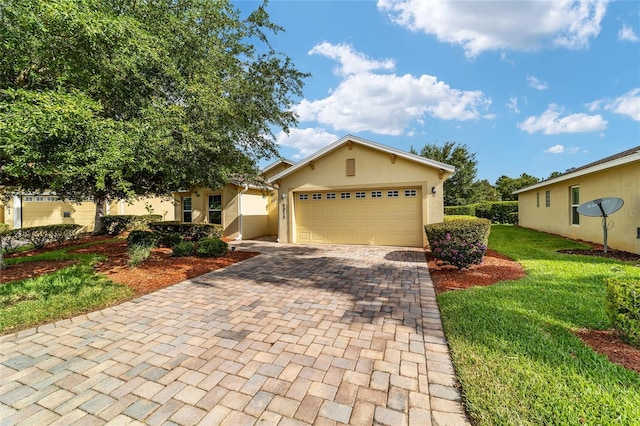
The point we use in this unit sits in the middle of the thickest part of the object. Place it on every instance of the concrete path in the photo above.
(297, 335)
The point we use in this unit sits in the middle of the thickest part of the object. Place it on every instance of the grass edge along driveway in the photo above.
(57, 295)
(513, 347)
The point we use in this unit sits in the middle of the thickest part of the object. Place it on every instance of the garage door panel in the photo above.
(380, 221)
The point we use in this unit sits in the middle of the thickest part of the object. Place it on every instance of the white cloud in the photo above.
(513, 105)
(386, 103)
(627, 33)
(306, 141)
(479, 26)
(560, 149)
(556, 149)
(627, 104)
(537, 83)
(350, 62)
(551, 123)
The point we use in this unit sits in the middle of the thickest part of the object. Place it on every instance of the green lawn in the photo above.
(513, 347)
(61, 294)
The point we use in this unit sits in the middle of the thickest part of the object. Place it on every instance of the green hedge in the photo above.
(622, 304)
(117, 224)
(185, 248)
(496, 211)
(41, 235)
(188, 230)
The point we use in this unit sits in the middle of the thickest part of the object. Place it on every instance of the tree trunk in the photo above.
(2, 265)
(100, 202)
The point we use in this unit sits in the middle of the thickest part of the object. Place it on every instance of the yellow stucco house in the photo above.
(356, 191)
(551, 206)
(245, 210)
(26, 210)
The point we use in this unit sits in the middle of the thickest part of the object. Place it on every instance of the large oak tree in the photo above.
(108, 99)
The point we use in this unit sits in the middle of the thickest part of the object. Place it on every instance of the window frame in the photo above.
(330, 196)
(345, 195)
(410, 193)
(573, 205)
(303, 197)
(547, 198)
(359, 195)
(393, 193)
(212, 210)
(376, 194)
(185, 210)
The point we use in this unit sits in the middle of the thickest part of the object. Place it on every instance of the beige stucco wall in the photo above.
(254, 210)
(374, 169)
(157, 205)
(622, 181)
(276, 169)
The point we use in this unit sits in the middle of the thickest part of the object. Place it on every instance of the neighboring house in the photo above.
(356, 191)
(244, 210)
(551, 205)
(22, 211)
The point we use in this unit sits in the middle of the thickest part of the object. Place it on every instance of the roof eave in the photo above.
(597, 168)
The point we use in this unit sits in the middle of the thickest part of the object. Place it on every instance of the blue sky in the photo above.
(530, 86)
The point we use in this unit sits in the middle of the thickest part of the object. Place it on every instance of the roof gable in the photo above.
(374, 145)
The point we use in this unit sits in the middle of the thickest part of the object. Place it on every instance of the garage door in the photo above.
(390, 216)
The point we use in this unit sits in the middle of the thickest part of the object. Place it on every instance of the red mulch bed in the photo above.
(496, 267)
(160, 270)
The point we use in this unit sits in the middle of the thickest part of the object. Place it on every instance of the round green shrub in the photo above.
(211, 247)
(170, 240)
(143, 238)
(185, 248)
(622, 305)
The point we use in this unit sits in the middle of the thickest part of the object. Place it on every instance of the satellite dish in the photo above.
(601, 207)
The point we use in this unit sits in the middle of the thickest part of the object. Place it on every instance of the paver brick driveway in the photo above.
(297, 335)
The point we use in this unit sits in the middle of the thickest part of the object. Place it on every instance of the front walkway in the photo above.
(297, 335)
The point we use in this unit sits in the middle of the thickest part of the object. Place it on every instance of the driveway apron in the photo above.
(301, 334)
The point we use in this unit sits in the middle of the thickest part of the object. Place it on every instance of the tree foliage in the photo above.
(506, 185)
(459, 188)
(104, 99)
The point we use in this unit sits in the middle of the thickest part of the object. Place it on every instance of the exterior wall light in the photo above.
(434, 190)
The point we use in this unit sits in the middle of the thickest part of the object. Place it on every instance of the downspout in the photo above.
(246, 188)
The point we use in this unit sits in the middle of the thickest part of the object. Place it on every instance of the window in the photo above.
(66, 215)
(376, 194)
(215, 209)
(351, 166)
(537, 199)
(361, 194)
(317, 196)
(303, 196)
(393, 193)
(39, 198)
(575, 202)
(186, 209)
(547, 198)
(28, 199)
(330, 196)
(345, 195)
(51, 199)
(410, 193)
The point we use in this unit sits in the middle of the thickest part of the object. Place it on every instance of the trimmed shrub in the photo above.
(41, 235)
(117, 224)
(185, 248)
(495, 211)
(143, 238)
(622, 304)
(468, 210)
(211, 247)
(188, 230)
(170, 240)
(459, 241)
